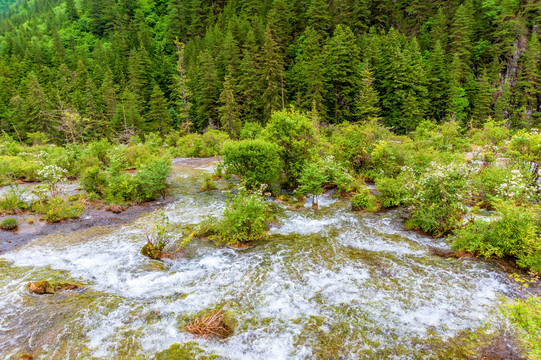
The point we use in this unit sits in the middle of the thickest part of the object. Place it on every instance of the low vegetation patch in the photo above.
(8, 223)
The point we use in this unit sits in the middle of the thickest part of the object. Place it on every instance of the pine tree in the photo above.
(530, 79)
(367, 101)
(310, 71)
(181, 88)
(457, 109)
(159, 119)
(71, 10)
(483, 100)
(438, 83)
(206, 89)
(229, 110)
(318, 17)
(272, 72)
(342, 70)
(462, 32)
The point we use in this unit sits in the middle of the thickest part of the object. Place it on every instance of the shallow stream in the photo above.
(326, 284)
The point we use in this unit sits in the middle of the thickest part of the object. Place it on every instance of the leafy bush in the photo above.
(244, 219)
(515, 232)
(255, 161)
(14, 167)
(58, 209)
(526, 315)
(444, 137)
(312, 180)
(436, 197)
(363, 200)
(391, 191)
(8, 223)
(354, 143)
(12, 201)
(151, 179)
(295, 135)
(94, 180)
(250, 130)
(495, 183)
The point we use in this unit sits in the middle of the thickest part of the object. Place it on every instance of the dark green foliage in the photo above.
(255, 161)
(122, 68)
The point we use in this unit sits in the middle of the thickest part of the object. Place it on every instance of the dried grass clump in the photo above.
(215, 324)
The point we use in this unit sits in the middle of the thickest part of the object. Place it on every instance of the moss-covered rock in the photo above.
(187, 351)
(151, 251)
(46, 287)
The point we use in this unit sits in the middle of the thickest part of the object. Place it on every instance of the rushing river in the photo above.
(326, 284)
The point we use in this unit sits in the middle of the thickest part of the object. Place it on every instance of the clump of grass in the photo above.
(216, 324)
(8, 223)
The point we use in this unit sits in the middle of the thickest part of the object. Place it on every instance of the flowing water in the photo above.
(326, 284)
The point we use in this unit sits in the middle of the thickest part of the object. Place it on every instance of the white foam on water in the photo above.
(362, 272)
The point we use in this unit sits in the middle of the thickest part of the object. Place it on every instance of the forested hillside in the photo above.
(86, 69)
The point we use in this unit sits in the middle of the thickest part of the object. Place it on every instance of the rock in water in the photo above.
(26, 357)
(39, 287)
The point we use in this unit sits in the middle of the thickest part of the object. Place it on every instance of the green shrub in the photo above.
(363, 200)
(8, 223)
(514, 232)
(354, 143)
(190, 145)
(58, 209)
(495, 183)
(255, 161)
(435, 201)
(250, 130)
(525, 314)
(12, 201)
(391, 191)
(312, 180)
(151, 179)
(295, 135)
(244, 219)
(94, 180)
(14, 167)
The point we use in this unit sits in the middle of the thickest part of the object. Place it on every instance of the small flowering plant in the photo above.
(517, 187)
(436, 196)
(52, 175)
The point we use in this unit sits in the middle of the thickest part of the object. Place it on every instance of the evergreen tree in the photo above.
(318, 17)
(483, 100)
(368, 101)
(71, 10)
(438, 83)
(206, 90)
(159, 119)
(458, 107)
(530, 80)
(272, 72)
(342, 70)
(229, 110)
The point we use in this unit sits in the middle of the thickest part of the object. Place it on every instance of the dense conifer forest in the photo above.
(109, 68)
